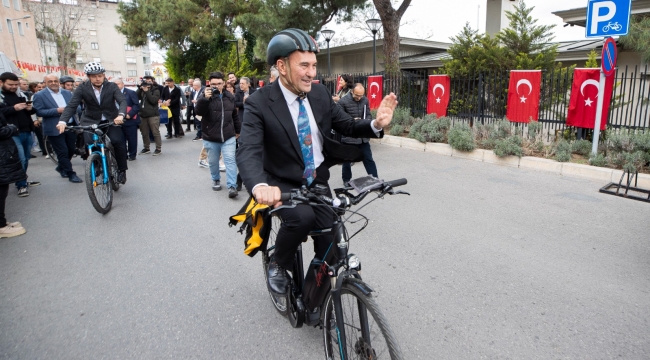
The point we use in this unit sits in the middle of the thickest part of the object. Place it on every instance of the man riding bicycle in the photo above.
(103, 102)
(285, 143)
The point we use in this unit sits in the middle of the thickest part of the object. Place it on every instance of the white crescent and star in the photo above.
(374, 95)
(530, 88)
(433, 91)
(588, 102)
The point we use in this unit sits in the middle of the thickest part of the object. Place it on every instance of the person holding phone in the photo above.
(15, 108)
(220, 126)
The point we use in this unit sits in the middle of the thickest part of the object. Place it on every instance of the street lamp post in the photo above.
(328, 35)
(374, 25)
(12, 33)
(236, 47)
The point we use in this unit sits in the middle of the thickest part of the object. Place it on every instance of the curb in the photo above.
(604, 175)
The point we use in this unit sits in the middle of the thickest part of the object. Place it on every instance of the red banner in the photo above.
(523, 95)
(48, 69)
(375, 91)
(338, 83)
(438, 95)
(584, 98)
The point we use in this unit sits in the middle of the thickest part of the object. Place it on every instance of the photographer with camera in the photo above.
(149, 94)
(220, 126)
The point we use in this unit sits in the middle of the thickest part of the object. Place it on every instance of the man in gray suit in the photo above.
(99, 97)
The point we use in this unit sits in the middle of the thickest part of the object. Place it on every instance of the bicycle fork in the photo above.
(104, 164)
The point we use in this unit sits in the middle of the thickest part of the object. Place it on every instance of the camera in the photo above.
(215, 90)
(144, 83)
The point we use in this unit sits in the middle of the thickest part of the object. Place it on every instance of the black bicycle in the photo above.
(101, 167)
(333, 295)
(80, 148)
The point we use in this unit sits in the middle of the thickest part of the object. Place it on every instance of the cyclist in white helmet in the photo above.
(100, 97)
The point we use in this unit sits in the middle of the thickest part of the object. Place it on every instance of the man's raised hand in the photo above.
(385, 111)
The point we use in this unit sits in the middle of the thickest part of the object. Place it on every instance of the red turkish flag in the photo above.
(523, 95)
(584, 99)
(314, 81)
(438, 95)
(375, 91)
(338, 83)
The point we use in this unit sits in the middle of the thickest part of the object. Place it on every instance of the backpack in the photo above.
(256, 224)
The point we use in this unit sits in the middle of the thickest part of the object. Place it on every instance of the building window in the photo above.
(94, 45)
(26, 25)
(130, 60)
(6, 3)
(132, 73)
(20, 28)
(80, 60)
(73, 16)
(78, 45)
(17, 4)
(93, 32)
(91, 18)
(145, 60)
(46, 14)
(128, 47)
(9, 27)
(75, 31)
(97, 59)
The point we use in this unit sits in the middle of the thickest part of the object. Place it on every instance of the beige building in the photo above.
(101, 42)
(13, 22)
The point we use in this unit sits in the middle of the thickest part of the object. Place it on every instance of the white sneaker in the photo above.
(222, 166)
(10, 231)
(48, 156)
(204, 164)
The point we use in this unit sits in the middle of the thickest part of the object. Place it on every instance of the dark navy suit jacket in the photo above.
(46, 108)
(134, 104)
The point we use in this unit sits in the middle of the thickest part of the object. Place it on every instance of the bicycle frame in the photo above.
(98, 142)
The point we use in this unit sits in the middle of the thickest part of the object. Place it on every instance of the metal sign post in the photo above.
(607, 68)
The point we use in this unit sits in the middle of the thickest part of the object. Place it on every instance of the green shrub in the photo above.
(581, 147)
(460, 137)
(396, 130)
(512, 145)
(535, 129)
(563, 151)
(634, 161)
(402, 116)
(599, 160)
(373, 113)
(430, 129)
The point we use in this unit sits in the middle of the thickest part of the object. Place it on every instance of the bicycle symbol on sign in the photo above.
(612, 26)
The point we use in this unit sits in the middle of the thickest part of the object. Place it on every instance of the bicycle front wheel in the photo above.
(279, 301)
(100, 190)
(113, 170)
(367, 333)
(50, 150)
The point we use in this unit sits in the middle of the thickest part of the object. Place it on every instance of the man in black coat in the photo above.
(11, 171)
(149, 95)
(103, 102)
(171, 96)
(284, 144)
(357, 106)
(241, 95)
(131, 120)
(196, 90)
(220, 127)
(17, 111)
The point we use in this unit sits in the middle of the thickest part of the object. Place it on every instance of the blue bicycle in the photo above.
(101, 167)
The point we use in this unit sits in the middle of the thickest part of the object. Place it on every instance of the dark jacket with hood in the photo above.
(11, 170)
(358, 110)
(220, 121)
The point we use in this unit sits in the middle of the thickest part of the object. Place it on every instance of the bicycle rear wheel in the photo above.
(279, 301)
(113, 170)
(367, 333)
(50, 150)
(100, 192)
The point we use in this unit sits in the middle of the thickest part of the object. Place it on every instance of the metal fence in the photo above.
(482, 97)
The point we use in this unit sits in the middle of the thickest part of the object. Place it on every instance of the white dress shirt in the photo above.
(60, 101)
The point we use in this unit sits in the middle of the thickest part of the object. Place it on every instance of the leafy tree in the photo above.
(638, 39)
(592, 61)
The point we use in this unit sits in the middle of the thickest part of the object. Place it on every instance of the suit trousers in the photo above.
(175, 123)
(131, 136)
(64, 146)
(114, 132)
(150, 125)
(189, 114)
(299, 221)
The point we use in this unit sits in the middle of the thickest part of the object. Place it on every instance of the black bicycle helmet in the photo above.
(65, 79)
(287, 41)
(93, 68)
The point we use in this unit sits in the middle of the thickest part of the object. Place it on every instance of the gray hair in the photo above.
(117, 80)
(244, 78)
(196, 82)
(274, 72)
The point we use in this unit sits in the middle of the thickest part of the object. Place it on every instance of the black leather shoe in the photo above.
(58, 169)
(121, 177)
(277, 278)
(74, 178)
(239, 184)
(312, 318)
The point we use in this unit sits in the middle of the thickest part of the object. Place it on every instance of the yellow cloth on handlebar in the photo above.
(256, 224)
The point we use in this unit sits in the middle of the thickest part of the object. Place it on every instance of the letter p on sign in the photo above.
(607, 9)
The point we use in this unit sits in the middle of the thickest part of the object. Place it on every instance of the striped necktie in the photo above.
(304, 137)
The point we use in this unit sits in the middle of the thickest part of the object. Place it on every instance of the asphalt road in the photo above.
(481, 262)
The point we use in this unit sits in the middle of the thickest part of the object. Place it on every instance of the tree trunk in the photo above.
(390, 19)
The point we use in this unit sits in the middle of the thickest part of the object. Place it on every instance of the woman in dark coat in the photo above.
(10, 171)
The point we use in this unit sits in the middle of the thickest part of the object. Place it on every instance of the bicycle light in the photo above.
(353, 262)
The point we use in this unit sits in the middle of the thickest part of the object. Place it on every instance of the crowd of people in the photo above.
(31, 111)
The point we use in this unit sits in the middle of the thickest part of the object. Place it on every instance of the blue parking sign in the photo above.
(608, 18)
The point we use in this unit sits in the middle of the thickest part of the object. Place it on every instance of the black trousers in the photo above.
(4, 191)
(116, 135)
(189, 113)
(38, 131)
(175, 122)
(131, 138)
(299, 221)
(64, 147)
